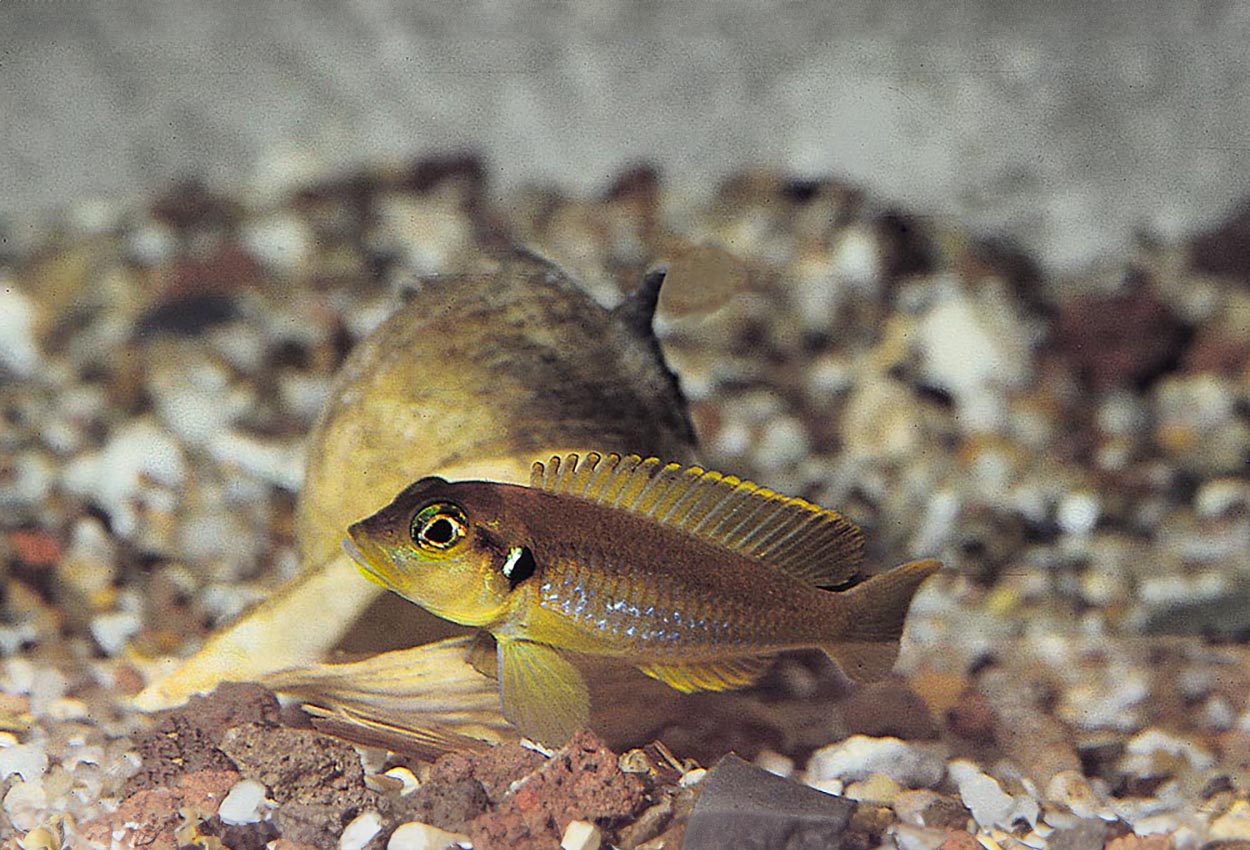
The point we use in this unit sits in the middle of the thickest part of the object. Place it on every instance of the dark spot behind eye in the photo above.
(522, 568)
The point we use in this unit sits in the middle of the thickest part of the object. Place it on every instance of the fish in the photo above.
(696, 578)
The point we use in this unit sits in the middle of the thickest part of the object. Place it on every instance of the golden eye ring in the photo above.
(438, 527)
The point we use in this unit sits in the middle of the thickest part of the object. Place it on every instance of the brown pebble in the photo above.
(582, 781)
(972, 718)
(1119, 340)
(35, 547)
(945, 813)
(186, 740)
(960, 840)
(496, 768)
(149, 817)
(1139, 842)
(449, 804)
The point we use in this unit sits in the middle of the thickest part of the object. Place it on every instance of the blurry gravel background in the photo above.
(1067, 125)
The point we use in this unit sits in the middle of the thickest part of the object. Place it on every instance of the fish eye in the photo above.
(439, 526)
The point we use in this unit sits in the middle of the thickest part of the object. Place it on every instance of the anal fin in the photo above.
(721, 675)
(544, 695)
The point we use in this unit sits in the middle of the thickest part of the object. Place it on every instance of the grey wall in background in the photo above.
(1066, 124)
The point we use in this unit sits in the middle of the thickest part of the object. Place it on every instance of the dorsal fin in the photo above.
(794, 536)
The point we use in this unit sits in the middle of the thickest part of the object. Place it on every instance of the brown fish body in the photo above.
(614, 584)
(697, 579)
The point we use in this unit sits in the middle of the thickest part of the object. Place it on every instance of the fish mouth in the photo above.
(363, 562)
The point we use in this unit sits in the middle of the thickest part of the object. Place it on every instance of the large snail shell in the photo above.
(475, 377)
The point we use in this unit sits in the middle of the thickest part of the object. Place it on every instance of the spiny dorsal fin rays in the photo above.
(792, 535)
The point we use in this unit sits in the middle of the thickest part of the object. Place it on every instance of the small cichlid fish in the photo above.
(696, 578)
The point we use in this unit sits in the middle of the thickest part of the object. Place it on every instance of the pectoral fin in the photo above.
(724, 675)
(483, 656)
(544, 695)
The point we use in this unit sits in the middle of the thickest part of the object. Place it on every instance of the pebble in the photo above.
(856, 259)
(974, 349)
(195, 402)
(1077, 513)
(985, 798)
(19, 351)
(1221, 496)
(138, 452)
(1073, 790)
(275, 462)
(283, 242)
(1143, 749)
(422, 836)
(1232, 825)
(877, 789)
(360, 831)
(859, 757)
(407, 779)
(28, 761)
(910, 805)
(112, 631)
(908, 837)
(25, 803)
(881, 421)
(28, 481)
(784, 442)
(243, 803)
(581, 835)
(1087, 834)
(692, 777)
(1112, 704)
(151, 244)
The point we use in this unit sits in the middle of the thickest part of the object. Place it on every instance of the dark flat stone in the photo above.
(744, 807)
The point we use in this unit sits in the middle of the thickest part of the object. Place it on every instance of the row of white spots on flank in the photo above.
(647, 623)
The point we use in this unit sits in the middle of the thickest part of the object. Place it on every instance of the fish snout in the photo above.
(369, 558)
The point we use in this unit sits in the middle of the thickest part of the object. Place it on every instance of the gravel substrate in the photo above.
(1075, 450)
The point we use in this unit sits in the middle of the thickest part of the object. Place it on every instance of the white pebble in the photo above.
(25, 804)
(275, 462)
(692, 777)
(281, 242)
(784, 442)
(860, 756)
(243, 803)
(1078, 513)
(28, 761)
(984, 797)
(974, 348)
(152, 243)
(114, 630)
(989, 804)
(1233, 825)
(581, 835)
(1142, 748)
(422, 836)
(18, 350)
(908, 837)
(406, 778)
(138, 451)
(1221, 496)
(360, 831)
(856, 259)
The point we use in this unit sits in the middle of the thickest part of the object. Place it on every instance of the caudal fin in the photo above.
(877, 611)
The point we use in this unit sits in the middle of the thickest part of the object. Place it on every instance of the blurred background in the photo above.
(1066, 125)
